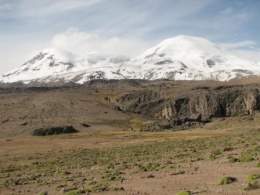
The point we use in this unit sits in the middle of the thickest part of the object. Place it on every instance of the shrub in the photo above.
(246, 157)
(232, 159)
(74, 192)
(258, 165)
(253, 182)
(43, 193)
(184, 193)
(253, 177)
(214, 154)
(227, 180)
(98, 187)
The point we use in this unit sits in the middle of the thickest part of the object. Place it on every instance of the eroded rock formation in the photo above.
(195, 106)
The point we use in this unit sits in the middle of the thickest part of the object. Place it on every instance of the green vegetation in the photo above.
(95, 186)
(184, 193)
(74, 192)
(215, 154)
(253, 177)
(253, 182)
(43, 193)
(103, 169)
(258, 164)
(227, 180)
(232, 159)
(150, 166)
(246, 157)
(113, 174)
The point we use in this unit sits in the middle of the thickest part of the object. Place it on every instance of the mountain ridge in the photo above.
(178, 58)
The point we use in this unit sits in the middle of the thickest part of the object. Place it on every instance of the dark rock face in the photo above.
(112, 84)
(138, 102)
(201, 107)
(197, 106)
(54, 131)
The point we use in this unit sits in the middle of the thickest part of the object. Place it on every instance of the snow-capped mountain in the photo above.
(193, 58)
(178, 58)
(52, 65)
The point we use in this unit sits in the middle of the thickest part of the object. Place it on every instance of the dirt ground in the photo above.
(198, 172)
(222, 157)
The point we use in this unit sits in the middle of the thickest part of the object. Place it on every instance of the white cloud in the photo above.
(240, 45)
(14, 51)
(148, 20)
(245, 49)
(83, 43)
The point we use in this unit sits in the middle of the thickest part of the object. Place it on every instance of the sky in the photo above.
(120, 26)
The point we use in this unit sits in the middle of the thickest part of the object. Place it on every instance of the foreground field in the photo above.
(221, 158)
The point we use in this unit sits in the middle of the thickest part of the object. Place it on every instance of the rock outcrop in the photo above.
(196, 106)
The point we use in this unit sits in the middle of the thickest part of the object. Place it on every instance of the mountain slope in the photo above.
(193, 58)
(52, 65)
(178, 58)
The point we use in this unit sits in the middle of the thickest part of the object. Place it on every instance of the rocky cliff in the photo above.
(199, 105)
